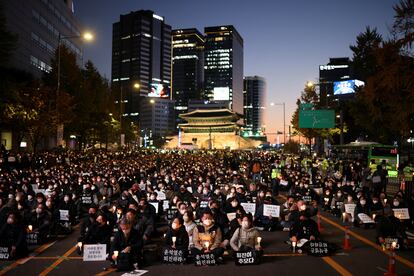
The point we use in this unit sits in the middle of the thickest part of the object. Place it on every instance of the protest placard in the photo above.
(173, 256)
(155, 204)
(249, 207)
(365, 218)
(4, 253)
(161, 196)
(401, 213)
(349, 209)
(246, 258)
(271, 210)
(94, 252)
(204, 259)
(64, 215)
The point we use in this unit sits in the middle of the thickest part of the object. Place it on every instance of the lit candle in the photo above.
(114, 208)
(194, 214)
(294, 246)
(116, 254)
(174, 239)
(30, 227)
(373, 216)
(207, 244)
(80, 244)
(104, 198)
(394, 245)
(326, 199)
(344, 216)
(385, 201)
(259, 239)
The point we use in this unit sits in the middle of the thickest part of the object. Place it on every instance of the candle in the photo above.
(385, 201)
(259, 239)
(294, 246)
(174, 239)
(116, 254)
(104, 198)
(373, 216)
(394, 245)
(114, 208)
(80, 244)
(344, 216)
(30, 227)
(207, 244)
(194, 214)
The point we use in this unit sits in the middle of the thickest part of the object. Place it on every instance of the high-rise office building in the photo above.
(188, 68)
(338, 69)
(38, 24)
(141, 54)
(157, 117)
(254, 97)
(223, 66)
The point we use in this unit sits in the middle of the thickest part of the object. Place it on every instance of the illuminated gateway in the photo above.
(210, 129)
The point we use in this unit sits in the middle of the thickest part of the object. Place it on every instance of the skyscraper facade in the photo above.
(37, 25)
(188, 68)
(254, 97)
(223, 66)
(141, 59)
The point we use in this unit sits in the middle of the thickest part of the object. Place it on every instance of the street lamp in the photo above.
(284, 119)
(87, 36)
(136, 86)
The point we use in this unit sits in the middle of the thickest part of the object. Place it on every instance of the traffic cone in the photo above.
(391, 264)
(347, 243)
(402, 186)
(320, 228)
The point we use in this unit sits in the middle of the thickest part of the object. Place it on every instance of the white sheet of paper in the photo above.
(94, 252)
(271, 210)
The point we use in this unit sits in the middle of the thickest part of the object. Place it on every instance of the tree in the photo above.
(363, 61)
(403, 27)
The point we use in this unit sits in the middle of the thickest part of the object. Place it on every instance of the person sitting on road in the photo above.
(126, 248)
(178, 232)
(362, 207)
(13, 236)
(268, 223)
(140, 223)
(208, 237)
(87, 222)
(99, 232)
(189, 227)
(41, 222)
(245, 237)
(388, 226)
(303, 230)
(337, 203)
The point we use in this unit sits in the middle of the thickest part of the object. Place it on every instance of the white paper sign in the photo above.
(365, 218)
(155, 204)
(401, 213)
(190, 189)
(161, 196)
(271, 210)
(64, 215)
(350, 208)
(284, 183)
(135, 273)
(94, 252)
(165, 205)
(249, 207)
(231, 216)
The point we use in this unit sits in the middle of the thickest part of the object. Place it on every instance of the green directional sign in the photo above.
(306, 106)
(324, 118)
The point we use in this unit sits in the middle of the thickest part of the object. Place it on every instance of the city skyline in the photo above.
(283, 42)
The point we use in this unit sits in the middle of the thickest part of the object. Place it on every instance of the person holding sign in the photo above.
(268, 222)
(388, 226)
(127, 246)
(177, 237)
(41, 221)
(208, 237)
(99, 233)
(245, 237)
(13, 236)
(362, 207)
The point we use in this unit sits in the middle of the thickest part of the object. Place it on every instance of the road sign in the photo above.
(323, 118)
(306, 106)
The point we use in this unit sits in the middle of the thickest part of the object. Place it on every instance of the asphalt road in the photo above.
(365, 258)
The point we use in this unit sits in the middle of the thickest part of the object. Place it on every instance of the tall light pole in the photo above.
(87, 36)
(135, 86)
(284, 119)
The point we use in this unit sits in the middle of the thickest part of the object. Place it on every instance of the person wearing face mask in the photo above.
(68, 204)
(362, 207)
(304, 229)
(177, 230)
(337, 203)
(129, 245)
(376, 206)
(388, 226)
(41, 221)
(99, 232)
(87, 222)
(189, 225)
(208, 238)
(184, 194)
(13, 236)
(232, 205)
(245, 237)
(268, 223)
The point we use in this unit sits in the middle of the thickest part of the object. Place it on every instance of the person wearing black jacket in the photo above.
(87, 222)
(304, 228)
(99, 232)
(127, 245)
(388, 226)
(13, 236)
(178, 231)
